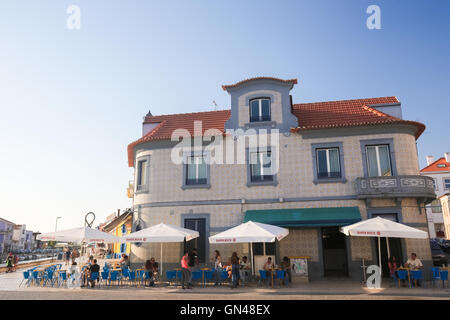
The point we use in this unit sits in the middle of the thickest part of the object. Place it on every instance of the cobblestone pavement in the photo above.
(322, 290)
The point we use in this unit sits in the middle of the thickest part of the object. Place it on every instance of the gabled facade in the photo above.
(316, 167)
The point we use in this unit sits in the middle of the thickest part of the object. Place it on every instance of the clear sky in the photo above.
(72, 100)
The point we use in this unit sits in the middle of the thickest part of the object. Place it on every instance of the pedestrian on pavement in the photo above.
(185, 273)
(235, 276)
(9, 262)
(68, 254)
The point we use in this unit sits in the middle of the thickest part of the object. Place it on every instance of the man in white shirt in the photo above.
(244, 269)
(414, 262)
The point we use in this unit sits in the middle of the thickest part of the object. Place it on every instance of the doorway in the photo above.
(334, 250)
(199, 243)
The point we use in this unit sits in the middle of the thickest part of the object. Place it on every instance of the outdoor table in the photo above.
(203, 270)
(274, 269)
(409, 273)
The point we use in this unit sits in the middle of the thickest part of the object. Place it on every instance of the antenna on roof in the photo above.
(215, 105)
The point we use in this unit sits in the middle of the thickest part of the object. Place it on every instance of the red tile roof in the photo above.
(318, 115)
(230, 86)
(438, 165)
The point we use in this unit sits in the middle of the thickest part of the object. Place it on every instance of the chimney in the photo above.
(118, 212)
(430, 160)
(447, 156)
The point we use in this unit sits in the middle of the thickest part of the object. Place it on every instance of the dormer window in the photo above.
(260, 109)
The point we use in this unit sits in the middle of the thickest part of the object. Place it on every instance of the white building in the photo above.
(439, 170)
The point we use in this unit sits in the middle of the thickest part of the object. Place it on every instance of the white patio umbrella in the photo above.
(79, 235)
(161, 233)
(379, 227)
(251, 232)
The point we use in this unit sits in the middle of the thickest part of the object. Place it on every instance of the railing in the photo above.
(396, 187)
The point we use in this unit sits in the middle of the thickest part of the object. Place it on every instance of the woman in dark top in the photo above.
(234, 269)
(9, 262)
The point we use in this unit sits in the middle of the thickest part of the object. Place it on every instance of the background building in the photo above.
(119, 225)
(338, 162)
(439, 170)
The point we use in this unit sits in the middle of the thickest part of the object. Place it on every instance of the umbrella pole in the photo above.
(387, 244)
(161, 259)
(251, 257)
(379, 253)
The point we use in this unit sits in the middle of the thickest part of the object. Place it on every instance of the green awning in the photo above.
(305, 217)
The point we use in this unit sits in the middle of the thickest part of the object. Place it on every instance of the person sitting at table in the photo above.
(392, 265)
(124, 262)
(286, 267)
(414, 262)
(93, 268)
(244, 269)
(268, 266)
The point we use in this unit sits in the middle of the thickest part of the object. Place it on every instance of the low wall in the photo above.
(26, 264)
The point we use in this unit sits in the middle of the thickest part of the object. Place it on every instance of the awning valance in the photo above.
(305, 217)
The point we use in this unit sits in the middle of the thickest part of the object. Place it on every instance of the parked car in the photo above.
(437, 254)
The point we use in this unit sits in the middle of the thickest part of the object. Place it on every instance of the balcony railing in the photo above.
(396, 187)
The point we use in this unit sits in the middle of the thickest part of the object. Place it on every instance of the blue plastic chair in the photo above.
(171, 276)
(26, 277)
(416, 275)
(36, 278)
(132, 276)
(281, 274)
(435, 275)
(444, 277)
(114, 276)
(209, 276)
(403, 275)
(104, 276)
(49, 276)
(263, 277)
(223, 276)
(197, 275)
(62, 278)
(140, 276)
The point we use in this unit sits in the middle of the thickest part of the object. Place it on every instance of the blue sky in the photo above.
(71, 100)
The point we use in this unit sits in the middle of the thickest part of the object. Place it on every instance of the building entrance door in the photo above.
(334, 249)
(200, 242)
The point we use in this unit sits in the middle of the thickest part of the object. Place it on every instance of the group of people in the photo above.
(11, 262)
(413, 263)
(71, 255)
(238, 269)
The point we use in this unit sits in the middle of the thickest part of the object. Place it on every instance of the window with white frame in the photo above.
(328, 165)
(260, 109)
(446, 183)
(141, 174)
(261, 166)
(196, 170)
(378, 160)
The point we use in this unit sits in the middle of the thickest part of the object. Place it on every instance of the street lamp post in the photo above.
(56, 226)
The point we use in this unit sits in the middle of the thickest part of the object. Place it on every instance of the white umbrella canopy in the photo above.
(379, 227)
(250, 232)
(79, 235)
(161, 233)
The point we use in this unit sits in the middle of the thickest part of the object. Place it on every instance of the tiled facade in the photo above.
(227, 199)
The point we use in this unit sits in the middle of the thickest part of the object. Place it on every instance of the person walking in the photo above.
(9, 262)
(68, 254)
(185, 274)
(235, 276)
(16, 261)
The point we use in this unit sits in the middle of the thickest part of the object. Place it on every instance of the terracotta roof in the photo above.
(230, 86)
(347, 113)
(438, 165)
(311, 116)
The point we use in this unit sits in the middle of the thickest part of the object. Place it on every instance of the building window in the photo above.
(196, 169)
(260, 109)
(141, 174)
(436, 206)
(328, 164)
(447, 183)
(378, 161)
(261, 166)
